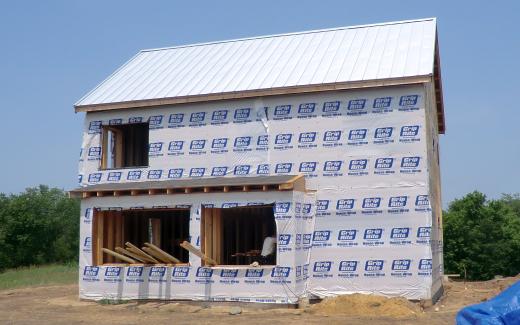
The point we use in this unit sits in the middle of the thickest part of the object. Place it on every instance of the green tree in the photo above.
(40, 225)
(482, 237)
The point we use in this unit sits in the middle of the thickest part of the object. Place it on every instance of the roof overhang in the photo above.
(197, 185)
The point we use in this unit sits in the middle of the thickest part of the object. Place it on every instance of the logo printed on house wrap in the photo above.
(197, 119)
(87, 245)
(374, 268)
(382, 105)
(321, 238)
(307, 110)
(113, 274)
(180, 274)
(332, 168)
(176, 120)
(114, 176)
(197, 172)
(283, 141)
(322, 269)
(280, 274)
(401, 268)
(331, 139)
(94, 177)
(373, 237)
(254, 276)
(197, 147)
(322, 208)
(383, 166)
(94, 127)
(410, 165)
(347, 238)
(90, 274)
(175, 173)
(219, 117)
(371, 205)
(155, 122)
(356, 107)
(204, 275)
(157, 274)
(348, 269)
(282, 112)
(242, 115)
(422, 203)
(87, 216)
(94, 153)
(175, 148)
(154, 174)
(134, 274)
(135, 119)
(345, 207)
(307, 140)
(284, 241)
(358, 167)
(154, 149)
(425, 267)
(281, 210)
(357, 137)
(133, 175)
(229, 276)
(241, 170)
(219, 145)
(331, 109)
(242, 144)
(283, 168)
(400, 236)
(262, 143)
(308, 168)
(409, 134)
(423, 235)
(397, 204)
(408, 103)
(383, 135)
(219, 171)
(262, 169)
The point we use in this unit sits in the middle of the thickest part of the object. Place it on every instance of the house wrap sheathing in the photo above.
(356, 110)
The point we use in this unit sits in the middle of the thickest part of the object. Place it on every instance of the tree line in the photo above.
(481, 236)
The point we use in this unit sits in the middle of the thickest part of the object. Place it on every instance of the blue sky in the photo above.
(53, 52)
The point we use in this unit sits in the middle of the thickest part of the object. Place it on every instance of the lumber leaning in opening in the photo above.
(131, 247)
(160, 251)
(132, 255)
(186, 245)
(158, 256)
(119, 256)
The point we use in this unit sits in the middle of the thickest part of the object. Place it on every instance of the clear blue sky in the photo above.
(53, 52)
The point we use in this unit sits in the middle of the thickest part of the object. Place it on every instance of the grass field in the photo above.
(39, 276)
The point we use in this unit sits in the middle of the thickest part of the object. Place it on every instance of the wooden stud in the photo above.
(265, 188)
(132, 255)
(110, 234)
(169, 191)
(134, 192)
(187, 190)
(189, 247)
(207, 189)
(156, 231)
(162, 253)
(245, 188)
(99, 194)
(131, 247)
(119, 256)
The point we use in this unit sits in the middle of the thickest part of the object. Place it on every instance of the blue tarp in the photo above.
(502, 309)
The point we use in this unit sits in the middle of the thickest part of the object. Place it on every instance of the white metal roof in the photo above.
(340, 55)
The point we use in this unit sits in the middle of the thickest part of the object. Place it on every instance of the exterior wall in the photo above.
(364, 152)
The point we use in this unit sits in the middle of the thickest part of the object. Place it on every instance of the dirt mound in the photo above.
(366, 305)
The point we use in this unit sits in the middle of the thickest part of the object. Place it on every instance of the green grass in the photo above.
(39, 276)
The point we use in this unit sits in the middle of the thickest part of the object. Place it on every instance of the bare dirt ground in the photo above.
(60, 305)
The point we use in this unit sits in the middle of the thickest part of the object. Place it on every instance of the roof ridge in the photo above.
(290, 34)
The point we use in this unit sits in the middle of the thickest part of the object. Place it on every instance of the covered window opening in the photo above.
(133, 233)
(125, 145)
(236, 236)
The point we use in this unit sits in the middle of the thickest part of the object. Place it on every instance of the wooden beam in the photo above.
(187, 190)
(131, 247)
(134, 192)
(162, 253)
(169, 191)
(225, 189)
(85, 195)
(119, 256)
(132, 255)
(155, 254)
(207, 189)
(265, 188)
(189, 247)
(99, 194)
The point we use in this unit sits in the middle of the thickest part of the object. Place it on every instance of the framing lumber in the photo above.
(119, 256)
(192, 249)
(163, 253)
(155, 254)
(131, 247)
(132, 255)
